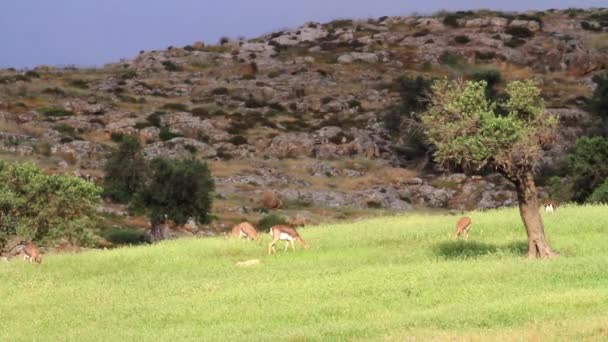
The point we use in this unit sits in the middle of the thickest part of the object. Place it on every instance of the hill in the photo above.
(392, 278)
(303, 112)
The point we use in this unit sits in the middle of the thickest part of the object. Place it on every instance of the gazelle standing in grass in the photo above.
(244, 230)
(463, 226)
(550, 206)
(287, 234)
(29, 251)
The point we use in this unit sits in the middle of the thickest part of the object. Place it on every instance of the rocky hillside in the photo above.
(300, 114)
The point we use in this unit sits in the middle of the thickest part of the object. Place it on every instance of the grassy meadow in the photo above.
(393, 278)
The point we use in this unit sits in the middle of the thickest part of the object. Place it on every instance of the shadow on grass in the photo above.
(471, 250)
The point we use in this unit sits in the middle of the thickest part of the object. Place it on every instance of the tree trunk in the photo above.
(157, 231)
(538, 247)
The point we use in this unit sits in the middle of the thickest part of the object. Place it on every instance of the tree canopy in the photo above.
(176, 189)
(42, 207)
(124, 171)
(468, 129)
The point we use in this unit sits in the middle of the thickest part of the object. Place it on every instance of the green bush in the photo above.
(519, 32)
(599, 100)
(155, 119)
(178, 107)
(171, 66)
(492, 78)
(121, 236)
(451, 59)
(462, 39)
(200, 112)
(600, 194)
(45, 208)
(588, 165)
(515, 42)
(268, 221)
(166, 134)
(55, 112)
(124, 171)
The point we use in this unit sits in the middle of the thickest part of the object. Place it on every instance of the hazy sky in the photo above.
(94, 32)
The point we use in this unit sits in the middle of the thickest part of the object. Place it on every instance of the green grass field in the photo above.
(393, 278)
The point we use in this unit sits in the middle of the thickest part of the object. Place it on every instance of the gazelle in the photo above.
(244, 230)
(463, 226)
(550, 206)
(287, 234)
(29, 251)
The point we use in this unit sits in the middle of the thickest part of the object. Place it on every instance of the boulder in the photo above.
(290, 145)
(352, 57)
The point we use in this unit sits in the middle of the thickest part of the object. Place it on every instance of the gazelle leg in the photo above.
(293, 248)
(271, 247)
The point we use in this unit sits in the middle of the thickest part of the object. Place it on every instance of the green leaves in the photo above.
(179, 189)
(467, 129)
(38, 206)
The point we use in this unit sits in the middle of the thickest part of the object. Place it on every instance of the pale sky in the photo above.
(95, 32)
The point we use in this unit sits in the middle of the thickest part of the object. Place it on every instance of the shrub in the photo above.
(124, 171)
(54, 91)
(224, 40)
(178, 107)
(32, 74)
(171, 66)
(519, 32)
(492, 78)
(55, 112)
(588, 165)
(65, 129)
(451, 20)
(326, 99)
(413, 93)
(451, 59)
(590, 26)
(165, 134)
(191, 149)
(45, 208)
(599, 99)
(268, 221)
(155, 119)
(600, 194)
(142, 125)
(421, 33)
(238, 140)
(200, 112)
(485, 55)
(220, 91)
(122, 236)
(78, 83)
(116, 137)
(515, 42)
(462, 39)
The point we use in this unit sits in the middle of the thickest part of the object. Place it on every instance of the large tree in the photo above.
(476, 133)
(124, 171)
(175, 190)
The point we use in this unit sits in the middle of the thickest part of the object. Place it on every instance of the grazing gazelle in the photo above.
(244, 230)
(29, 250)
(550, 206)
(462, 227)
(287, 234)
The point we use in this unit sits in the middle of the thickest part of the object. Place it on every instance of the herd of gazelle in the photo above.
(281, 232)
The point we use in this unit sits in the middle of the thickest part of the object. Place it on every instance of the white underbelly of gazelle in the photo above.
(285, 237)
